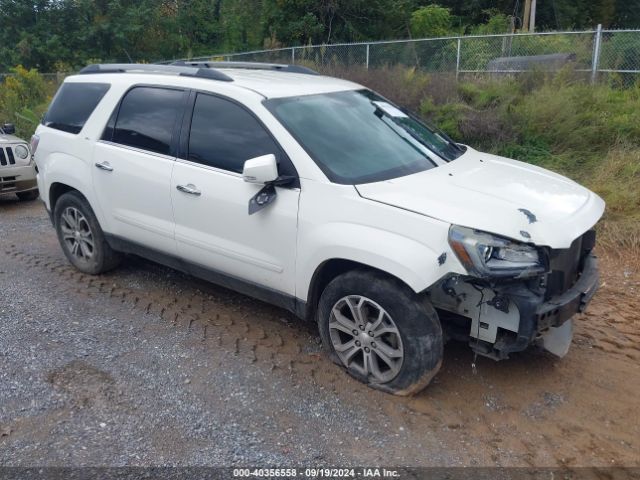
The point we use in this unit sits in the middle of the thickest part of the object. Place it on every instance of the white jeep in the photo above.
(17, 169)
(322, 197)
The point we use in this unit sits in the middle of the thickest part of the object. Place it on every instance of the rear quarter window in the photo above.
(146, 119)
(73, 104)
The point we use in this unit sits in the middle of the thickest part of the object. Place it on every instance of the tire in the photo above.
(80, 236)
(27, 196)
(381, 303)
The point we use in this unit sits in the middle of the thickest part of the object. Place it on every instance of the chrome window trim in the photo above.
(136, 149)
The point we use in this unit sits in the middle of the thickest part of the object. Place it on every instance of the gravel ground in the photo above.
(146, 366)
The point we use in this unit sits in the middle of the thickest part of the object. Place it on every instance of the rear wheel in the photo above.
(27, 196)
(81, 237)
(380, 331)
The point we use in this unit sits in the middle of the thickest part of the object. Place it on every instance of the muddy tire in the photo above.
(80, 236)
(380, 331)
(27, 196)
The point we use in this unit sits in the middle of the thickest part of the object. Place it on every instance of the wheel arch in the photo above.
(329, 270)
(57, 189)
(333, 249)
(61, 173)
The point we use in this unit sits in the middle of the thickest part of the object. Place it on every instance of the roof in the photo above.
(274, 84)
(269, 83)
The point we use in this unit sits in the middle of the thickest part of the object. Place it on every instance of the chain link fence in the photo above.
(598, 53)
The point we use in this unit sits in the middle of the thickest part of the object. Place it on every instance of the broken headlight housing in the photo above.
(486, 255)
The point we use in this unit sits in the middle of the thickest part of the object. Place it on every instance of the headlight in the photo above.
(21, 152)
(485, 255)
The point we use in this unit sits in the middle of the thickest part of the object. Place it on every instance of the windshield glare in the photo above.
(357, 136)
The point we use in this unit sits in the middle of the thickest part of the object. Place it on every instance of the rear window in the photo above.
(73, 104)
(147, 119)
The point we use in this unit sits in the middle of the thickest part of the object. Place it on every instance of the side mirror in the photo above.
(9, 128)
(264, 171)
(260, 170)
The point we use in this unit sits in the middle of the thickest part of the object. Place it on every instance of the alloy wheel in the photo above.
(77, 234)
(365, 338)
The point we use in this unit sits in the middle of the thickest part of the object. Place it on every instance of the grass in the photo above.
(617, 179)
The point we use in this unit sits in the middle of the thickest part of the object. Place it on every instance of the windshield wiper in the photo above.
(410, 139)
(433, 129)
(381, 112)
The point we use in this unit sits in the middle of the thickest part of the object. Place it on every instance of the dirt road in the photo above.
(146, 366)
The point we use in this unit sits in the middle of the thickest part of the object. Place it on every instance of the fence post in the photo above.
(367, 58)
(458, 60)
(293, 55)
(596, 54)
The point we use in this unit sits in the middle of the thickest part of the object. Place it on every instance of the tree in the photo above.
(431, 21)
(66, 34)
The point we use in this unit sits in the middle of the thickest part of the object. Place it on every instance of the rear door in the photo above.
(213, 227)
(133, 163)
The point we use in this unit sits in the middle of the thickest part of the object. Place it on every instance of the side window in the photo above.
(147, 117)
(224, 135)
(73, 104)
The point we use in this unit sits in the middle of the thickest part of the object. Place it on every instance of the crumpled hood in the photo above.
(497, 195)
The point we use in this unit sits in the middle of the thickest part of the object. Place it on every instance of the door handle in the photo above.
(104, 166)
(190, 189)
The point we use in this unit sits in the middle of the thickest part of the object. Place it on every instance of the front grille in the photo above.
(567, 264)
(7, 158)
(7, 184)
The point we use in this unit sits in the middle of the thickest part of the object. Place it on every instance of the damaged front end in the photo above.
(516, 294)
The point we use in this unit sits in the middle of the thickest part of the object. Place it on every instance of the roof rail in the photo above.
(280, 67)
(182, 70)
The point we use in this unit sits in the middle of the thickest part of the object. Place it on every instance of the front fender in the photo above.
(413, 262)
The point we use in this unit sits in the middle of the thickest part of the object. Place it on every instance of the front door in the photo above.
(213, 228)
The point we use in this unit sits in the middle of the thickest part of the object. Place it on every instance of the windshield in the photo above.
(359, 137)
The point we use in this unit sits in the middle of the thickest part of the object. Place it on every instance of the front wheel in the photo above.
(81, 237)
(380, 331)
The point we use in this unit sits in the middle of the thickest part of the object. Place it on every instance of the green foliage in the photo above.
(621, 51)
(496, 23)
(447, 117)
(582, 119)
(617, 178)
(407, 86)
(23, 99)
(63, 35)
(589, 133)
(488, 94)
(431, 21)
(66, 33)
(564, 124)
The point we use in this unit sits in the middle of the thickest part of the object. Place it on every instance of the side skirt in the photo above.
(265, 294)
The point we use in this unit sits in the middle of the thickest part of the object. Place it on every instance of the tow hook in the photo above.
(499, 303)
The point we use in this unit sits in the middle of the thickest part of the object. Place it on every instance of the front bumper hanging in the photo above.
(537, 316)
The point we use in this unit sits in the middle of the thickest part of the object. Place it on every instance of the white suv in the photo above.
(323, 197)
